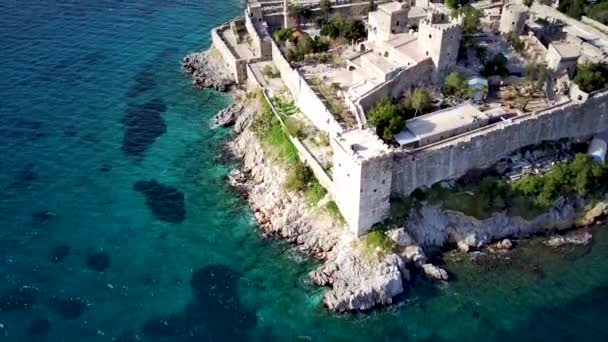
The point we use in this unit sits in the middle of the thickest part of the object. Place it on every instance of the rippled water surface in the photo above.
(117, 226)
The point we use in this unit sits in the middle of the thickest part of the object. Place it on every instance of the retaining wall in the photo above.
(305, 98)
(453, 158)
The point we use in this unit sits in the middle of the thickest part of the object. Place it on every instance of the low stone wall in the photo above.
(482, 148)
(306, 156)
(416, 75)
(236, 66)
(305, 98)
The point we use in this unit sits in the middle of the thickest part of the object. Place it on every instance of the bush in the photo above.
(589, 79)
(282, 35)
(496, 66)
(455, 85)
(263, 121)
(297, 178)
(294, 127)
(314, 192)
(283, 148)
(386, 118)
(338, 26)
(582, 176)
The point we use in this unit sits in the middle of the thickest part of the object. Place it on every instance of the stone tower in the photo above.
(390, 18)
(513, 19)
(362, 175)
(439, 38)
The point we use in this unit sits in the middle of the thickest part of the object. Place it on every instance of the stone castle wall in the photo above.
(259, 40)
(306, 99)
(416, 75)
(482, 148)
(238, 67)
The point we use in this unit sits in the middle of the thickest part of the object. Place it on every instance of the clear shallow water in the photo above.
(93, 102)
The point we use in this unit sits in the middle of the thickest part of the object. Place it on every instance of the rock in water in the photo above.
(167, 203)
(434, 272)
(207, 71)
(576, 238)
(20, 298)
(227, 117)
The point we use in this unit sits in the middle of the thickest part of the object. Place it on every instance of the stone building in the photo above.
(562, 58)
(439, 39)
(513, 19)
(390, 19)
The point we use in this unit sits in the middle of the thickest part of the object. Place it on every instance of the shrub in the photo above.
(297, 178)
(263, 121)
(455, 85)
(588, 79)
(496, 66)
(283, 148)
(386, 118)
(294, 127)
(314, 192)
(282, 35)
(517, 44)
(338, 26)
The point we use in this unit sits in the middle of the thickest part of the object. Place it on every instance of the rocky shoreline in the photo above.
(357, 279)
(207, 71)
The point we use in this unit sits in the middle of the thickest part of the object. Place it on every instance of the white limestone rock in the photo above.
(207, 71)
(227, 116)
(575, 238)
(435, 272)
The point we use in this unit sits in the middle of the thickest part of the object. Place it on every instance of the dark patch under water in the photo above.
(98, 261)
(214, 313)
(58, 253)
(25, 177)
(40, 218)
(39, 327)
(68, 308)
(144, 81)
(105, 168)
(20, 298)
(143, 124)
(70, 131)
(166, 202)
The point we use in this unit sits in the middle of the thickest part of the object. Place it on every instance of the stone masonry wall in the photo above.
(260, 41)
(305, 98)
(415, 75)
(238, 67)
(453, 158)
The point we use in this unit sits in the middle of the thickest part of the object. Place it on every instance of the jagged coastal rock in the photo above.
(574, 238)
(207, 71)
(228, 116)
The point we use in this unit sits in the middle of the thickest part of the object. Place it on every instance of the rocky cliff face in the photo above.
(434, 226)
(207, 71)
(355, 281)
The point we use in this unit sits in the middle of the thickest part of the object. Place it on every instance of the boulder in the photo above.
(227, 117)
(434, 272)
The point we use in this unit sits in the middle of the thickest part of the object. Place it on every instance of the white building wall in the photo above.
(440, 43)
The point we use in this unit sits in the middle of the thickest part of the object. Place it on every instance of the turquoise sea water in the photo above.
(117, 224)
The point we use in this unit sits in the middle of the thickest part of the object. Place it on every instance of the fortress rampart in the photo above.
(480, 149)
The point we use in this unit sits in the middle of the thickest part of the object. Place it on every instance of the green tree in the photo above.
(385, 116)
(534, 82)
(455, 85)
(588, 79)
(456, 4)
(496, 66)
(281, 35)
(471, 22)
(305, 44)
(421, 101)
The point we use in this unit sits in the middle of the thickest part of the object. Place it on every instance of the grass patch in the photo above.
(331, 208)
(377, 239)
(280, 146)
(314, 193)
